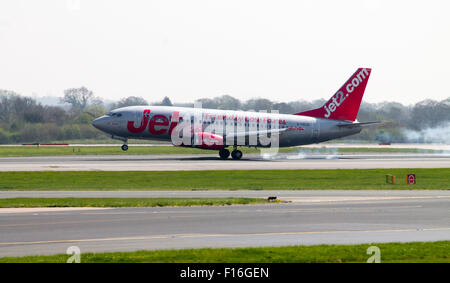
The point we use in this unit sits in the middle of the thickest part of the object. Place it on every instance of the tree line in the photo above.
(24, 120)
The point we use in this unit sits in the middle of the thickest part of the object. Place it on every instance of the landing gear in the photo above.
(224, 153)
(124, 140)
(236, 154)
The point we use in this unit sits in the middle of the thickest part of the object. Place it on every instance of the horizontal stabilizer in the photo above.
(365, 124)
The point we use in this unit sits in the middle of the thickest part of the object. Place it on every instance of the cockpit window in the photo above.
(114, 114)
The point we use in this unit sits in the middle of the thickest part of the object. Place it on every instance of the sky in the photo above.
(186, 50)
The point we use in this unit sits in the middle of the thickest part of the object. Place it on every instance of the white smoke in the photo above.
(440, 134)
(307, 153)
(315, 153)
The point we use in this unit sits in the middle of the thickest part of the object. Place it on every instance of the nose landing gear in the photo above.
(124, 140)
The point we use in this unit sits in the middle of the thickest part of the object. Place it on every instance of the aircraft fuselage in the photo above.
(157, 123)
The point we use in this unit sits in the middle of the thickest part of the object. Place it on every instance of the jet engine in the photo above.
(207, 140)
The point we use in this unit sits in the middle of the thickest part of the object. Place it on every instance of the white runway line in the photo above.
(344, 199)
(46, 209)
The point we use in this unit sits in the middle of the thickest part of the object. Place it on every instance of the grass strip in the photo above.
(333, 179)
(417, 252)
(123, 202)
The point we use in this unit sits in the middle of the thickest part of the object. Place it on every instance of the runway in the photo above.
(287, 195)
(316, 217)
(212, 162)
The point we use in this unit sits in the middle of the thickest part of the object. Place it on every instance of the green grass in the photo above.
(95, 150)
(345, 179)
(123, 202)
(390, 252)
(17, 151)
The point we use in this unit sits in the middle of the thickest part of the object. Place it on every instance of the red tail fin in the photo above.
(344, 105)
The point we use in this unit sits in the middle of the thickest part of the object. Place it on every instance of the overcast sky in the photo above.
(188, 49)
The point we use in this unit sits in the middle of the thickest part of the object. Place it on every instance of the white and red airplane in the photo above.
(218, 129)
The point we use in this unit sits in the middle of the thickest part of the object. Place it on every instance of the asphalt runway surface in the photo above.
(314, 217)
(212, 162)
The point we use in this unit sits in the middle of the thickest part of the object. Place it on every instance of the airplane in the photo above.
(213, 129)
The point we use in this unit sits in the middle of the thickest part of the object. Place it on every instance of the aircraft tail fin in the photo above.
(344, 104)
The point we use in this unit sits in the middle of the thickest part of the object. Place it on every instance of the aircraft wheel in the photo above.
(236, 154)
(124, 147)
(224, 153)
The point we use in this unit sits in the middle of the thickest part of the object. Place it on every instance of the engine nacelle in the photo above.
(207, 141)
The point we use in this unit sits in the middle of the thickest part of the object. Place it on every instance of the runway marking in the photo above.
(339, 199)
(93, 221)
(220, 235)
(282, 209)
(46, 209)
(315, 232)
(269, 209)
(115, 213)
(340, 209)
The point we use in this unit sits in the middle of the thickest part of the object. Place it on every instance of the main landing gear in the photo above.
(124, 147)
(225, 153)
(236, 154)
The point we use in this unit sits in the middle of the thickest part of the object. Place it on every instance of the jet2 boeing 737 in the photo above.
(213, 129)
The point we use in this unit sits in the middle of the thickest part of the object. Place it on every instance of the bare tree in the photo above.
(129, 101)
(79, 98)
(228, 102)
(166, 101)
(283, 108)
(258, 104)
(208, 103)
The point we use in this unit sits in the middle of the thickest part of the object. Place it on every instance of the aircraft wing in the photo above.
(255, 133)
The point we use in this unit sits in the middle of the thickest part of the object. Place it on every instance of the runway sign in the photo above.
(411, 179)
(390, 179)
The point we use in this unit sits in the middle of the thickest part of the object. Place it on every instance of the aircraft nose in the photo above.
(100, 123)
